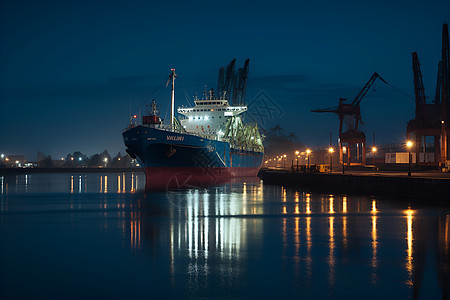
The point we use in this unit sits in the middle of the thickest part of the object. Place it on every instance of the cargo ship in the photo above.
(207, 145)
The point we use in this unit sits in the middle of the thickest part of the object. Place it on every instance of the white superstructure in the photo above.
(208, 117)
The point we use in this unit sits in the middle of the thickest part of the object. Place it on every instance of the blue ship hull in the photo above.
(177, 160)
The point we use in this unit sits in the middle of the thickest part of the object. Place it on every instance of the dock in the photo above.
(432, 188)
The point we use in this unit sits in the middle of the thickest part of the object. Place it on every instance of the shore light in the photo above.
(308, 152)
(374, 149)
(409, 145)
(331, 150)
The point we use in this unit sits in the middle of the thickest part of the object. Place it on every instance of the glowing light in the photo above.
(331, 150)
(297, 152)
(284, 155)
(135, 116)
(409, 144)
(308, 247)
(374, 207)
(308, 151)
(3, 155)
(344, 150)
(344, 230)
(409, 237)
(331, 258)
(374, 149)
(374, 242)
(308, 204)
(79, 158)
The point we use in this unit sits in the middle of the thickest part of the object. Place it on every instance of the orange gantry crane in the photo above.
(431, 119)
(352, 142)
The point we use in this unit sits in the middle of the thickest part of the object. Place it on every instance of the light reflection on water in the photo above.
(242, 239)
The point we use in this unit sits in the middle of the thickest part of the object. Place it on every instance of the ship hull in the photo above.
(178, 160)
(161, 178)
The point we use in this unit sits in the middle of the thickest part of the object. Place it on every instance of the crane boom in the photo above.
(366, 88)
(419, 90)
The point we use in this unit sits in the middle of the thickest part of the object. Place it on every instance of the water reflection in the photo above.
(374, 263)
(331, 256)
(409, 251)
(220, 240)
(217, 226)
(113, 183)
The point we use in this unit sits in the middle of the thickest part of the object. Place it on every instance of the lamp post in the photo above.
(409, 144)
(308, 152)
(344, 151)
(331, 150)
(284, 161)
(296, 155)
(374, 149)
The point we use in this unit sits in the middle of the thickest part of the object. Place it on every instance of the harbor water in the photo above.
(82, 236)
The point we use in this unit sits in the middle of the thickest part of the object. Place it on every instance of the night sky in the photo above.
(70, 69)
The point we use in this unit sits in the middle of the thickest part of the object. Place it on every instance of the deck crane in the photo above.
(350, 137)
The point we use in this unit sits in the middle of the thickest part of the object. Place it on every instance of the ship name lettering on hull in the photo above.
(175, 138)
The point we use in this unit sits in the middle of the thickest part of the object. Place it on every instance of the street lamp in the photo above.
(284, 161)
(296, 155)
(308, 152)
(331, 150)
(344, 151)
(106, 161)
(409, 144)
(374, 149)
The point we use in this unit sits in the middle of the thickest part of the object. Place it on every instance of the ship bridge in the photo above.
(208, 116)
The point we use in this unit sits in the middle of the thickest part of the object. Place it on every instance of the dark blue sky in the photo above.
(69, 69)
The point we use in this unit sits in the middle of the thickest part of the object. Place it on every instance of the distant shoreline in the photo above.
(7, 171)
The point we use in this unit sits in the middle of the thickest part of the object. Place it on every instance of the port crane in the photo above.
(350, 138)
(232, 84)
(432, 119)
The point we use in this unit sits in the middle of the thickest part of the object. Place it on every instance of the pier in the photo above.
(431, 188)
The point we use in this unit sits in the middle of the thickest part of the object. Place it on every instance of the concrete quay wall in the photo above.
(432, 190)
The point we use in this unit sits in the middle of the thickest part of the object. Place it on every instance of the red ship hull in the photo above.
(167, 178)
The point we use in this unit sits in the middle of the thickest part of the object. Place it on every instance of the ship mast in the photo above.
(172, 104)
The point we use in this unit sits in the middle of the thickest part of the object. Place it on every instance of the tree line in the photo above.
(80, 160)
